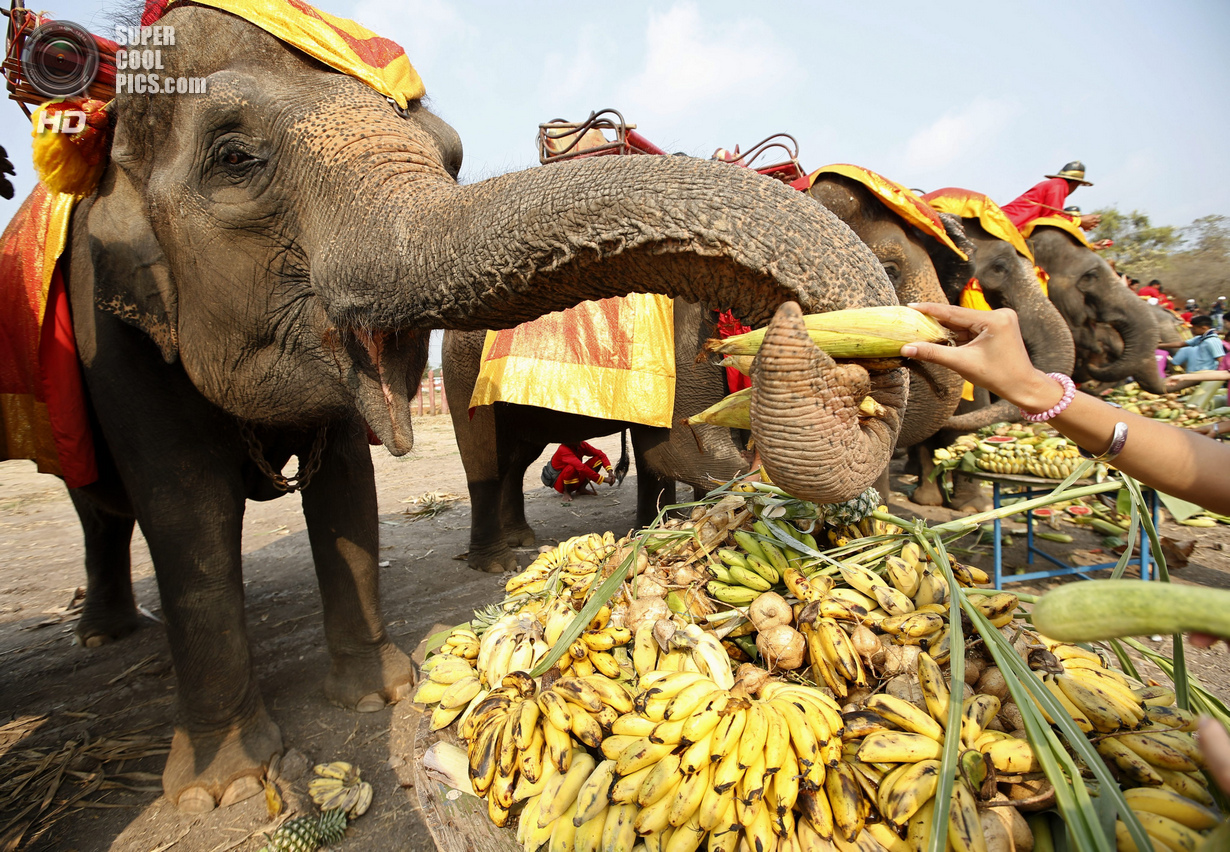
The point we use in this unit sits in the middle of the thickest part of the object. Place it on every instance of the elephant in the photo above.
(500, 441)
(256, 276)
(1007, 279)
(1098, 309)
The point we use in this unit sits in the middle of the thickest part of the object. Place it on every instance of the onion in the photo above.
(751, 678)
(782, 647)
(865, 642)
(992, 683)
(769, 610)
(646, 608)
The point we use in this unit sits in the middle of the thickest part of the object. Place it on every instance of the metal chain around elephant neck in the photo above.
(307, 469)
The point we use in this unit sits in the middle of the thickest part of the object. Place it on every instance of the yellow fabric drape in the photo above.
(896, 197)
(974, 205)
(337, 42)
(29, 250)
(1067, 225)
(613, 359)
(973, 298)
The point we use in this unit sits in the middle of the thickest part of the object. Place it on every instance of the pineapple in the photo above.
(307, 833)
(850, 512)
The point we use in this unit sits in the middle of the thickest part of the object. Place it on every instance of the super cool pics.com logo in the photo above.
(61, 59)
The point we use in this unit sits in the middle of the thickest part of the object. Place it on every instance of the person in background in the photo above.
(1218, 310)
(1047, 198)
(573, 467)
(1166, 458)
(1202, 351)
(1189, 311)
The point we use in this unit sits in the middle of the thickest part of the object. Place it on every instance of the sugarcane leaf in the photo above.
(1125, 661)
(1025, 679)
(937, 842)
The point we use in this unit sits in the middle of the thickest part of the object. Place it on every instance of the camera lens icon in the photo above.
(60, 59)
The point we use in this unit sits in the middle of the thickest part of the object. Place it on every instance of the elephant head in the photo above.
(1008, 281)
(1097, 307)
(290, 238)
(921, 268)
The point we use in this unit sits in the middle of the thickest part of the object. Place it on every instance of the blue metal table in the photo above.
(1033, 486)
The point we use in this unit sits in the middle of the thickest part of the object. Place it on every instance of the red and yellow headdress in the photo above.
(1061, 222)
(896, 197)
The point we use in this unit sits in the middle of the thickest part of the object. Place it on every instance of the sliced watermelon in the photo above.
(999, 439)
(1079, 510)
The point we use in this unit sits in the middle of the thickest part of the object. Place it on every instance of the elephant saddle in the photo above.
(613, 359)
(42, 400)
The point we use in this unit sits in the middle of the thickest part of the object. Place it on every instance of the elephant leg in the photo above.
(968, 495)
(517, 530)
(180, 460)
(368, 671)
(110, 610)
(476, 439)
(928, 492)
(652, 490)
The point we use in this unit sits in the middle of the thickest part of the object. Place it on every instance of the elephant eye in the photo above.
(893, 271)
(234, 158)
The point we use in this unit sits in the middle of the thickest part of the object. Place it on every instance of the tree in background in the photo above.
(1202, 268)
(1141, 249)
(1192, 262)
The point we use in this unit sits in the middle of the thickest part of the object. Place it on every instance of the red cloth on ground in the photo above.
(1146, 292)
(1044, 199)
(575, 471)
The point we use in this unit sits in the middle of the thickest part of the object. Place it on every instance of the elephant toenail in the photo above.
(97, 641)
(196, 800)
(397, 693)
(370, 703)
(240, 789)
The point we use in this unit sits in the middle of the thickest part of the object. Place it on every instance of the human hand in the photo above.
(1215, 745)
(1090, 221)
(990, 353)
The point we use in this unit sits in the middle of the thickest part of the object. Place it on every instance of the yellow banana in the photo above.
(911, 786)
(898, 747)
(640, 754)
(1173, 834)
(688, 796)
(633, 725)
(557, 746)
(644, 649)
(593, 796)
(934, 689)
(619, 831)
(906, 716)
(901, 575)
(1012, 756)
(1161, 750)
(1170, 804)
(561, 791)
(626, 788)
(975, 716)
(1191, 785)
(728, 731)
(964, 826)
(1129, 763)
(846, 800)
(840, 652)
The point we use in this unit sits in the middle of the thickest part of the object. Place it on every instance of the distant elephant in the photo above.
(499, 442)
(1007, 280)
(1098, 309)
(256, 276)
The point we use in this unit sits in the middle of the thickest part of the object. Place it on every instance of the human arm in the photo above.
(1091, 221)
(992, 355)
(593, 452)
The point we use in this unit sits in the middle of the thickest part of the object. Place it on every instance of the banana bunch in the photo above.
(590, 653)
(690, 650)
(524, 743)
(513, 643)
(1056, 459)
(574, 561)
(337, 787)
(695, 759)
(461, 642)
(1006, 456)
(451, 684)
(1171, 820)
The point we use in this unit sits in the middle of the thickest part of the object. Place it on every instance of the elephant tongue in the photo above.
(383, 396)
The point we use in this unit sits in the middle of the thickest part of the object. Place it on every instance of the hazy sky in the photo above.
(989, 96)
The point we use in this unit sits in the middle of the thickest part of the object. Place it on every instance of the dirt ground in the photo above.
(62, 705)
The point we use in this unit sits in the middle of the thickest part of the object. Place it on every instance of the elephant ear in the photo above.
(117, 258)
(953, 272)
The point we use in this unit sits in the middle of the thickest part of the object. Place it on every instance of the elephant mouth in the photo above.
(382, 368)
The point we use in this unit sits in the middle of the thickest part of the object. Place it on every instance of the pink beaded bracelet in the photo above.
(1069, 394)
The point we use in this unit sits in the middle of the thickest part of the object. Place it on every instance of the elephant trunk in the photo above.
(509, 249)
(813, 440)
(1139, 333)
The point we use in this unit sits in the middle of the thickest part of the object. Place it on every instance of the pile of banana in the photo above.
(830, 733)
(1053, 457)
(1171, 407)
(570, 565)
